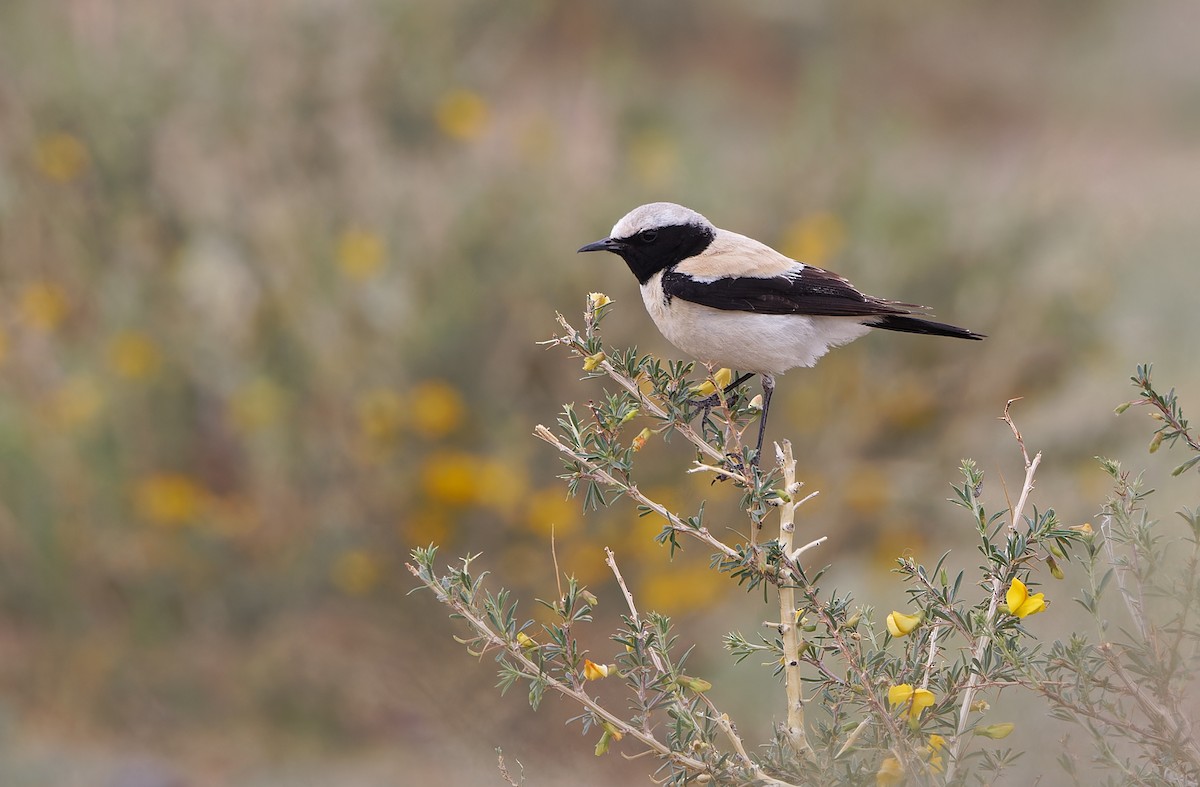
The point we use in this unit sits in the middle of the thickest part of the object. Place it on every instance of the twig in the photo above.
(816, 542)
(675, 522)
(611, 560)
(989, 622)
(513, 651)
(643, 400)
(504, 769)
(1030, 468)
(933, 638)
(794, 730)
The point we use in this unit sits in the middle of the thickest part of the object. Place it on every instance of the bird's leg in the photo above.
(768, 388)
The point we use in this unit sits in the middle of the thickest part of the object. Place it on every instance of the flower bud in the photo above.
(698, 685)
(996, 731)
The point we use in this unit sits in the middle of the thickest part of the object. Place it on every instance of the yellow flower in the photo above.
(814, 239)
(526, 641)
(936, 743)
(722, 378)
(43, 305)
(356, 572)
(592, 362)
(901, 625)
(256, 404)
(996, 731)
(502, 484)
(550, 509)
(1085, 528)
(598, 299)
(594, 671)
(916, 699)
(639, 442)
(60, 156)
(890, 772)
(462, 115)
(133, 355)
(449, 477)
(436, 407)
(77, 402)
(360, 254)
(380, 416)
(169, 499)
(426, 526)
(1020, 603)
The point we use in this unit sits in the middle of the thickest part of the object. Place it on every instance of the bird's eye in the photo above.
(647, 236)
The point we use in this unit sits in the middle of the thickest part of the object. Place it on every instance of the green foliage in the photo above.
(903, 700)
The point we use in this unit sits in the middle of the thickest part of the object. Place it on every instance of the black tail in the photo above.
(909, 324)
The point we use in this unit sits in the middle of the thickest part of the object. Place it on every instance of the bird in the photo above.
(732, 301)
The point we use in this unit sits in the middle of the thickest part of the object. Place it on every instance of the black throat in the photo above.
(669, 246)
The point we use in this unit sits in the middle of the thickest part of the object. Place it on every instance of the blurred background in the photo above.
(272, 275)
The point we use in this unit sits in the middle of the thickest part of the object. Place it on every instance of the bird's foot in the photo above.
(704, 405)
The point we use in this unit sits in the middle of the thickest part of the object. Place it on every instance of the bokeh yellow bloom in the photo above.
(360, 254)
(43, 305)
(901, 625)
(462, 115)
(133, 355)
(436, 408)
(256, 404)
(169, 499)
(61, 157)
(867, 491)
(77, 402)
(449, 477)
(381, 416)
(550, 509)
(356, 572)
(814, 239)
(426, 526)
(503, 484)
(1020, 603)
(936, 743)
(685, 588)
(890, 772)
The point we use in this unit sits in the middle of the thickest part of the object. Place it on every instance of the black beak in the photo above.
(607, 244)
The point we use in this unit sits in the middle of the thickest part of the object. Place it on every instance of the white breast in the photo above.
(764, 343)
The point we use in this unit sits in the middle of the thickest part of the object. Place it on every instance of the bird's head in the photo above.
(653, 237)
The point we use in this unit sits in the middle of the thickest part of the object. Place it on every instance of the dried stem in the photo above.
(989, 622)
(611, 560)
(794, 730)
(513, 651)
(600, 473)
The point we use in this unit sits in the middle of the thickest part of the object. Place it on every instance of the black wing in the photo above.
(814, 291)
